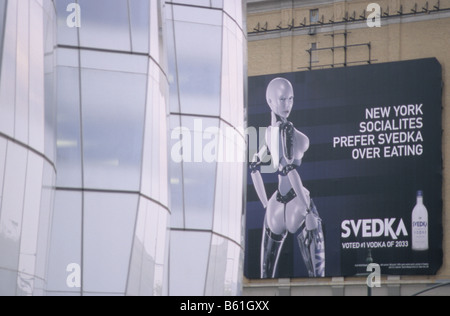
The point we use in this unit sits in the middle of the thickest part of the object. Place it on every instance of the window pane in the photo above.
(12, 205)
(155, 33)
(135, 275)
(105, 24)
(172, 67)
(197, 15)
(65, 246)
(232, 74)
(161, 252)
(2, 27)
(109, 221)
(50, 114)
(199, 173)
(150, 243)
(229, 185)
(176, 178)
(8, 70)
(30, 222)
(68, 129)
(149, 256)
(199, 186)
(154, 182)
(189, 253)
(113, 121)
(22, 73)
(217, 267)
(199, 67)
(66, 35)
(218, 3)
(45, 215)
(139, 22)
(36, 73)
(114, 62)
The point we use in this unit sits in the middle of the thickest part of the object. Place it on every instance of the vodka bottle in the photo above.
(420, 225)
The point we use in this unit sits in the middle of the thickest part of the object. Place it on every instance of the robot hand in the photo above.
(312, 244)
(256, 164)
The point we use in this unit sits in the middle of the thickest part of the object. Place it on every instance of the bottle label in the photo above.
(420, 224)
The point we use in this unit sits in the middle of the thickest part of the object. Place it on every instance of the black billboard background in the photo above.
(331, 103)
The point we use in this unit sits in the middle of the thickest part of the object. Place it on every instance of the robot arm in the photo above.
(257, 178)
(294, 145)
(287, 141)
(297, 185)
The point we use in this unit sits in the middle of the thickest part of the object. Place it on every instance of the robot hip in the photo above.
(285, 213)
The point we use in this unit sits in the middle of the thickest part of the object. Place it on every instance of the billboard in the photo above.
(346, 170)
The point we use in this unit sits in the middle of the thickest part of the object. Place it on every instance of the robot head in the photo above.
(280, 97)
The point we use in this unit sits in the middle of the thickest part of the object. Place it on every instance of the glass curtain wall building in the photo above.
(92, 199)
(112, 196)
(206, 42)
(27, 142)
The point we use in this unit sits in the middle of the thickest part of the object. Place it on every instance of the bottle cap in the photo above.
(420, 193)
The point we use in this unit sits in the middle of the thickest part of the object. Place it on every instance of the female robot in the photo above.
(290, 209)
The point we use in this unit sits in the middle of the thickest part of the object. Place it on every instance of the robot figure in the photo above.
(290, 209)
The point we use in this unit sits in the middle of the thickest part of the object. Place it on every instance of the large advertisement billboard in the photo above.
(346, 170)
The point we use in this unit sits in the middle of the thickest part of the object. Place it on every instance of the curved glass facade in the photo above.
(206, 43)
(112, 206)
(92, 199)
(27, 168)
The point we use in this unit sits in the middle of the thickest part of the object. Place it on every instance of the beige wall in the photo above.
(399, 38)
